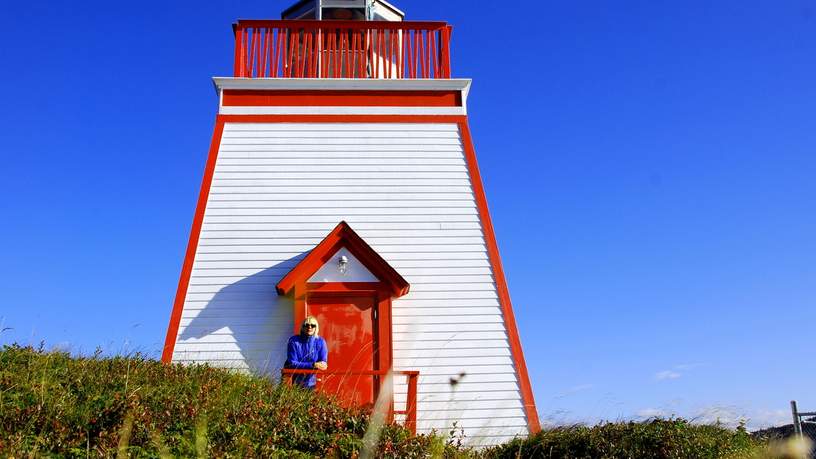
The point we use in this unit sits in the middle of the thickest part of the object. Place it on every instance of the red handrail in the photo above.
(341, 49)
(412, 376)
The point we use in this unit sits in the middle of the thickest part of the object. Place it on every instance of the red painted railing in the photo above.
(412, 377)
(341, 49)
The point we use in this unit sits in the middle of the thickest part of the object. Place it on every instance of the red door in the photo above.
(347, 324)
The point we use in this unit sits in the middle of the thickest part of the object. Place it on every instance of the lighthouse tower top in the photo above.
(359, 39)
(345, 10)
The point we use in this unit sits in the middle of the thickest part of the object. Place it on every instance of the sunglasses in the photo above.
(309, 325)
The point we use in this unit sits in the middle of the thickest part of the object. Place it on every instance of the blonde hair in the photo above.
(311, 319)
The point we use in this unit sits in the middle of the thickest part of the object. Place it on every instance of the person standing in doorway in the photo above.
(307, 351)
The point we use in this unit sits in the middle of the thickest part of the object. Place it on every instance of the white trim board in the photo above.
(345, 84)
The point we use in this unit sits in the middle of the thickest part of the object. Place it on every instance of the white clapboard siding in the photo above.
(342, 181)
(407, 346)
(279, 188)
(503, 399)
(448, 336)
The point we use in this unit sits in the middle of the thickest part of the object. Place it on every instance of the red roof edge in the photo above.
(343, 236)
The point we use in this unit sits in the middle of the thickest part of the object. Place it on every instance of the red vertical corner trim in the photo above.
(192, 244)
(501, 285)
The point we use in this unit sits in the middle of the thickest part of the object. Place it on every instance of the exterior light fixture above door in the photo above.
(342, 264)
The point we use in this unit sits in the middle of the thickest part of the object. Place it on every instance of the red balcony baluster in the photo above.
(341, 49)
(411, 401)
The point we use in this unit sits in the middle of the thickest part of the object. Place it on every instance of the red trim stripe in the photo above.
(192, 244)
(342, 118)
(313, 98)
(501, 284)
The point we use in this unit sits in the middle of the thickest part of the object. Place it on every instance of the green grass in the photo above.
(55, 405)
(51, 403)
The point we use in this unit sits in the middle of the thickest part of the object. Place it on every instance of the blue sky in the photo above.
(649, 167)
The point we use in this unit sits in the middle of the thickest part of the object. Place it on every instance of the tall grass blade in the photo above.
(124, 437)
(378, 418)
(201, 436)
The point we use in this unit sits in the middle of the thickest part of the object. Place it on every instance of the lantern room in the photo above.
(345, 10)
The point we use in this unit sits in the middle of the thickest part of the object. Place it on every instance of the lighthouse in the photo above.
(342, 183)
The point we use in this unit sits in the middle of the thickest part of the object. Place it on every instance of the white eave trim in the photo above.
(345, 84)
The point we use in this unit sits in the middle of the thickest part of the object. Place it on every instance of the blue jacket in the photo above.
(301, 353)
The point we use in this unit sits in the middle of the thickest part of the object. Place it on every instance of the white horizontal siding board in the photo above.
(294, 162)
(289, 128)
(271, 157)
(339, 129)
(454, 352)
(357, 176)
(455, 370)
(285, 215)
(409, 304)
(279, 188)
(430, 359)
(347, 168)
(461, 215)
(257, 186)
(237, 149)
(304, 129)
(378, 241)
(444, 327)
(334, 130)
(340, 134)
(445, 388)
(488, 430)
(284, 255)
(259, 194)
(383, 249)
(488, 425)
(310, 229)
(425, 319)
(454, 287)
(340, 141)
(271, 201)
(272, 274)
(247, 293)
(426, 309)
(265, 289)
(447, 336)
(402, 263)
(408, 346)
(215, 320)
(488, 399)
(276, 311)
(473, 414)
(452, 295)
(202, 278)
(476, 400)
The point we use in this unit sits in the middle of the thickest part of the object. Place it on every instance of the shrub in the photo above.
(51, 403)
(658, 439)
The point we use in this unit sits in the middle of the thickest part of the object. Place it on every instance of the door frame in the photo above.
(380, 293)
